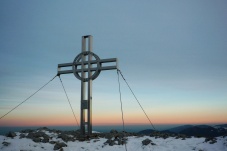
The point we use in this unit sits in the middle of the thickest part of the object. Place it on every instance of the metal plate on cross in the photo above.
(84, 104)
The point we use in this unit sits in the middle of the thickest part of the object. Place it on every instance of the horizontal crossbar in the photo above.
(86, 62)
(86, 70)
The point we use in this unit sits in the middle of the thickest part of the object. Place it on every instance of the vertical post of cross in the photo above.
(90, 87)
(86, 89)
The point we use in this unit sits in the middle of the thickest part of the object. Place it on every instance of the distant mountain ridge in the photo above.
(194, 130)
(221, 126)
(178, 128)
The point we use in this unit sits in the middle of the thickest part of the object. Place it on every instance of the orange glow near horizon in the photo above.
(63, 120)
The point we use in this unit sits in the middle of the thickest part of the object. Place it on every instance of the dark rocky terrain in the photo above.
(185, 131)
(59, 139)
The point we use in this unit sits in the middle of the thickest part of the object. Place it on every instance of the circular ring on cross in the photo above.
(86, 68)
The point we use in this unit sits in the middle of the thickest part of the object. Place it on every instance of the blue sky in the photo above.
(172, 53)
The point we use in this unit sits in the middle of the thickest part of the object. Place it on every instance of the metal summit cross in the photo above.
(86, 67)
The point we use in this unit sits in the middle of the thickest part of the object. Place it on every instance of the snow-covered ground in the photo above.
(134, 143)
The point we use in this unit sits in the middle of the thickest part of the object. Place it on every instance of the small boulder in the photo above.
(211, 140)
(27, 131)
(22, 135)
(82, 138)
(122, 141)
(52, 142)
(30, 135)
(108, 136)
(36, 139)
(58, 146)
(65, 137)
(96, 140)
(45, 140)
(5, 143)
(113, 131)
(43, 128)
(108, 141)
(146, 141)
(11, 134)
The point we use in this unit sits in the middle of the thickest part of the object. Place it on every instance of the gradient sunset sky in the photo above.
(172, 53)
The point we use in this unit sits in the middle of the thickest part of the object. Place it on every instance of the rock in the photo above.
(113, 131)
(30, 135)
(211, 140)
(208, 139)
(146, 141)
(81, 138)
(22, 135)
(41, 134)
(43, 128)
(94, 136)
(11, 134)
(27, 131)
(122, 134)
(59, 145)
(52, 142)
(107, 142)
(5, 143)
(108, 136)
(96, 140)
(45, 140)
(122, 141)
(115, 141)
(65, 137)
(110, 142)
(153, 143)
(37, 140)
(38, 137)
